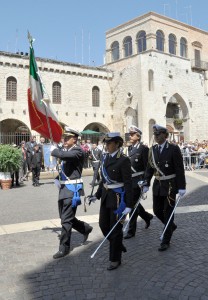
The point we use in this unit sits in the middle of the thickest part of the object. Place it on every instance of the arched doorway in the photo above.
(131, 118)
(98, 127)
(13, 131)
(177, 118)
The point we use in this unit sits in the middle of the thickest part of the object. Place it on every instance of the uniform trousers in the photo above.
(68, 221)
(107, 220)
(35, 174)
(163, 208)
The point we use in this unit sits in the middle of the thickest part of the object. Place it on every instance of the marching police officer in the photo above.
(166, 164)
(70, 186)
(115, 191)
(138, 154)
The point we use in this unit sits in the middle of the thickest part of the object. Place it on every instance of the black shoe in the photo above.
(163, 247)
(123, 248)
(148, 221)
(17, 184)
(60, 254)
(129, 236)
(113, 265)
(86, 234)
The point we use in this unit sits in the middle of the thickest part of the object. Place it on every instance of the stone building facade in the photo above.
(155, 72)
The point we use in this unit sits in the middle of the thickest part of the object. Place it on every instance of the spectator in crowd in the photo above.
(36, 160)
(202, 154)
(29, 147)
(15, 175)
(41, 144)
(23, 169)
(100, 145)
(86, 150)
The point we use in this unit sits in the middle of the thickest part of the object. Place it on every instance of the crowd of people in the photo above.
(32, 161)
(195, 154)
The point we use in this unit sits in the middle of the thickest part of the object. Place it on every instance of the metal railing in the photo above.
(195, 160)
(12, 138)
(199, 64)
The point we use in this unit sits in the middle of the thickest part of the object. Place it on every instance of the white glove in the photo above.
(91, 199)
(145, 189)
(126, 211)
(52, 148)
(57, 183)
(181, 192)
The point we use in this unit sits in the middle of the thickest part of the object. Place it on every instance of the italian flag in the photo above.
(42, 118)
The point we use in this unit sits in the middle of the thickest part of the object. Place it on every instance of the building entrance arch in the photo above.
(131, 118)
(177, 118)
(13, 131)
(98, 127)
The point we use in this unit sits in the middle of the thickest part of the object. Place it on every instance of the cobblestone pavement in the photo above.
(29, 228)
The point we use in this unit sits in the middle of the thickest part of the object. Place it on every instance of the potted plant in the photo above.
(178, 123)
(10, 161)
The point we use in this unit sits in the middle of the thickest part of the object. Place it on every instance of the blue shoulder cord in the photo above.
(120, 190)
(76, 200)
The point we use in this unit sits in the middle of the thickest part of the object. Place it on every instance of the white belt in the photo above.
(95, 160)
(137, 174)
(113, 185)
(165, 177)
(71, 181)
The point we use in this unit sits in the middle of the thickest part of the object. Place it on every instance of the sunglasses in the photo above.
(157, 133)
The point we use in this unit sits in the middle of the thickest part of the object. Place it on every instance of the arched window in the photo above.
(151, 80)
(183, 47)
(56, 92)
(95, 96)
(141, 41)
(172, 44)
(115, 51)
(11, 89)
(127, 46)
(159, 40)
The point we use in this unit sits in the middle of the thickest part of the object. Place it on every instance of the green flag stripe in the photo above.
(34, 68)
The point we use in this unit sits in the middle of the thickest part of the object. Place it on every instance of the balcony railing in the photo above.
(199, 65)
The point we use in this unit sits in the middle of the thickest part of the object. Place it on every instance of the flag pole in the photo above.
(31, 40)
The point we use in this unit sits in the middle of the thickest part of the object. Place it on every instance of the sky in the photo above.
(74, 30)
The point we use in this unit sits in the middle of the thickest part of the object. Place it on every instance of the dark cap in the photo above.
(159, 129)
(113, 136)
(71, 132)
